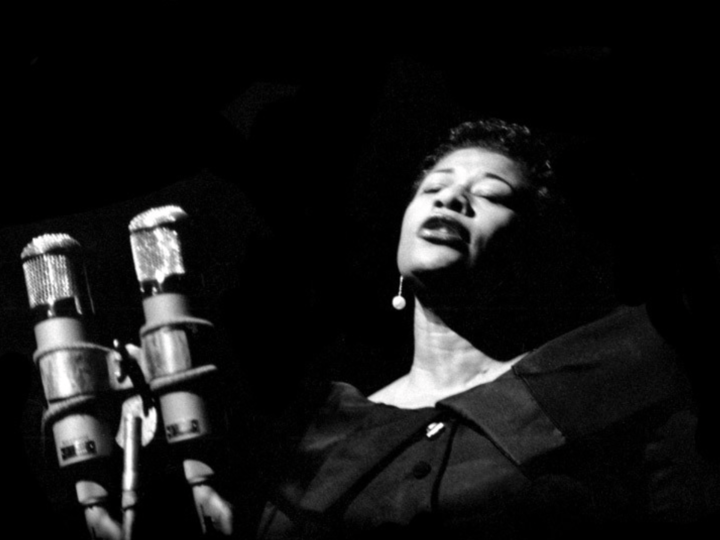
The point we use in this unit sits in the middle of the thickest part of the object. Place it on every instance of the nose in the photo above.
(454, 198)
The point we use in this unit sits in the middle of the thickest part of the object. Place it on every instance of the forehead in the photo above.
(480, 162)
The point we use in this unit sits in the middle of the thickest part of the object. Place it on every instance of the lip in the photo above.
(440, 229)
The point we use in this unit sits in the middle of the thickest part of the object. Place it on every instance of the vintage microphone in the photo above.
(176, 349)
(76, 373)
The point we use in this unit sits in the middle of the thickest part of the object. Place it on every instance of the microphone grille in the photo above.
(155, 243)
(155, 217)
(46, 243)
(49, 269)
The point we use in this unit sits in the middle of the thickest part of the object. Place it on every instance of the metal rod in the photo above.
(131, 473)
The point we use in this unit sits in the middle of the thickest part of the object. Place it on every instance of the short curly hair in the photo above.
(512, 140)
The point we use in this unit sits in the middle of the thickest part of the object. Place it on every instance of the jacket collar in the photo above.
(575, 385)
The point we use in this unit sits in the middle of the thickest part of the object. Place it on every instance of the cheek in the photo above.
(493, 229)
(406, 240)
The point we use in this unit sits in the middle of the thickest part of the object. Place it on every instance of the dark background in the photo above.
(293, 151)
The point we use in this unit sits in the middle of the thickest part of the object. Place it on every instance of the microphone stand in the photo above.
(131, 477)
(132, 434)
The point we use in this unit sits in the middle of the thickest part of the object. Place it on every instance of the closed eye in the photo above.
(432, 188)
(493, 191)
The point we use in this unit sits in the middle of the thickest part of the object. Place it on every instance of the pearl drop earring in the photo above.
(398, 301)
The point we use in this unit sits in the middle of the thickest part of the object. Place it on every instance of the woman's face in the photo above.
(460, 207)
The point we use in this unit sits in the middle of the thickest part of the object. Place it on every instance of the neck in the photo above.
(444, 359)
(455, 349)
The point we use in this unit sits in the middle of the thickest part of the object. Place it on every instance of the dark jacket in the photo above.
(591, 434)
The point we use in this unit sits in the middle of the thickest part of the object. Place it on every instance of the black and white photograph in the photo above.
(267, 281)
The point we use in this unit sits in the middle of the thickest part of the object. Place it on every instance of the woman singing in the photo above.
(498, 429)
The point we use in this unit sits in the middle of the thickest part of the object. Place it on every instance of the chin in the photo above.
(435, 269)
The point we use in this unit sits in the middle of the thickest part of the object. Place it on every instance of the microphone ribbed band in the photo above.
(174, 321)
(55, 411)
(48, 268)
(173, 380)
(155, 243)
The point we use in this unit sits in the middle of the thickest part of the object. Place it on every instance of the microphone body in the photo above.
(71, 367)
(172, 340)
(177, 349)
(75, 372)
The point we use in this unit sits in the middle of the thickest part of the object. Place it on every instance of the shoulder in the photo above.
(626, 338)
(617, 391)
(605, 371)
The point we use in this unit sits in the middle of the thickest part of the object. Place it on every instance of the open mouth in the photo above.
(445, 230)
